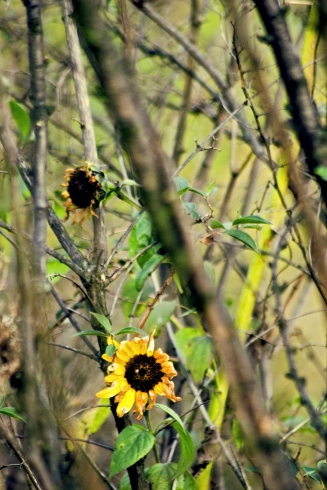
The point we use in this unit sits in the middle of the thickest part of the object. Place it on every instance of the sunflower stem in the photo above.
(148, 423)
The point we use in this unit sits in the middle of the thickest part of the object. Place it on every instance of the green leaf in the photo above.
(55, 267)
(143, 258)
(321, 171)
(125, 483)
(11, 412)
(216, 224)
(171, 412)
(199, 356)
(133, 443)
(129, 182)
(90, 332)
(2, 400)
(183, 338)
(187, 450)
(311, 473)
(161, 476)
(189, 207)
(189, 482)
(211, 189)
(160, 315)
(110, 350)
(101, 415)
(182, 185)
(149, 267)
(103, 321)
(243, 237)
(245, 220)
(129, 330)
(197, 191)
(143, 230)
(21, 118)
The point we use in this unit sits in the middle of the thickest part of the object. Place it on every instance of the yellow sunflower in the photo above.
(83, 191)
(137, 374)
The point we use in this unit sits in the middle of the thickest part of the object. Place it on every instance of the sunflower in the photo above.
(83, 192)
(137, 374)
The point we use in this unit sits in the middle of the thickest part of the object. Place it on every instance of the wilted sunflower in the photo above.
(83, 192)
(137, 375)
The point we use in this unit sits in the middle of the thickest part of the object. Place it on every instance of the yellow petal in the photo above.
(141, 399)
(153, 398)
(115, 388)
(126, 403)
(151, 344)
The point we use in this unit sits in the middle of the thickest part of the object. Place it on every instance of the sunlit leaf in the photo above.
(103, 321)
(11, 412)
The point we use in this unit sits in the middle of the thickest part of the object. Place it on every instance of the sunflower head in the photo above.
(83, 192)
(137, 374)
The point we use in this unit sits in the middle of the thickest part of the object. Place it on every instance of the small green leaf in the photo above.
(311, 473)
(243, 237)
(187, 450)
(197, 191)
(321, 171)
(245, 220)
(126, 330)
(149, 267)
(110, 350)
(216, 224)
(129, 182)
(171, 412)
(182, 185)
(103, 321)
(2, 400)
(90, 332)
(211, 189)
(133, 443)
(21, 118)
(189, 207)
(11, 412)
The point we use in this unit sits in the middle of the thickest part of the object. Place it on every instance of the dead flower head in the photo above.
(83, 193)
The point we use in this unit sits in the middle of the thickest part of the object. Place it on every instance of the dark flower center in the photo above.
(82, 188)
(143, 372)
